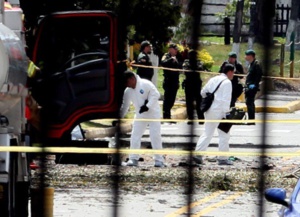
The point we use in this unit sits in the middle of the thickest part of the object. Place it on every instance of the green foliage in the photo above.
(147, 19)
(230, 10)
(141, 19)
(183, 31)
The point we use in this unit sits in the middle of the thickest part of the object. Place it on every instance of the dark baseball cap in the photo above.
(145, 44)
(250, 52)
(172, 45)
(232, 54)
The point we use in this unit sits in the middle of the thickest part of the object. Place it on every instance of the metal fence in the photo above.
(195, 12)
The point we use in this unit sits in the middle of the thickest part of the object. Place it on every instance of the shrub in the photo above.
(206, 59)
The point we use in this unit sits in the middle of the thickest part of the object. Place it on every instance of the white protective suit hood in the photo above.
(144, 90)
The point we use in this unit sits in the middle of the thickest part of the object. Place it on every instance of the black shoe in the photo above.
(198, 160)
(225, 162)
(189, 122)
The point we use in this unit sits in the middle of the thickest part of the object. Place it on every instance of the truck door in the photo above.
(76, 52)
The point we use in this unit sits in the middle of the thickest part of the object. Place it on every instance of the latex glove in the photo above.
(143, 109)
(251, 86)
(228, 115)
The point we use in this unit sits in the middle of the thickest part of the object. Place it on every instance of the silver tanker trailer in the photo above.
(14, 170)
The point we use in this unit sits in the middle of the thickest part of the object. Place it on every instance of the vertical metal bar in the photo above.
(194, 9)
(287, 17)
(116, 175)
(282, 55)
(282, 18)
(40, 191)
(2, 11)
(122, 36)
(267, 17)
(276, 24)
(292, 54)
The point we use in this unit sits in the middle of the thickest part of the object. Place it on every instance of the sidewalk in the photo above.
(277, 102)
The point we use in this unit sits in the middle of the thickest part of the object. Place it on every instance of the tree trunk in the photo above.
(238, 21)
(266, 13)
(253, 27)
(295, 10)
(294, 24)
(238, 26)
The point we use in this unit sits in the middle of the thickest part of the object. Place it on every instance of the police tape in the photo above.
(243, 121)
(212, 73)
(181, 70)
(75, 150)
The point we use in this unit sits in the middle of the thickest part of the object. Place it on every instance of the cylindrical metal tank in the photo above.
(13, 69)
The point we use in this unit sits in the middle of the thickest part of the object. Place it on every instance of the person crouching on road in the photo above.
(217, 111)
(144, 96)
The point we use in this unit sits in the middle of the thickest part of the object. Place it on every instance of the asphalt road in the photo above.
(99, 203)
(280, 136)
(281, 129)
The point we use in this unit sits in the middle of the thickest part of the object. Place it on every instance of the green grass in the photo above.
(219, 52)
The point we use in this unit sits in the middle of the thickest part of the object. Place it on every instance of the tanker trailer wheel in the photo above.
(16, 193)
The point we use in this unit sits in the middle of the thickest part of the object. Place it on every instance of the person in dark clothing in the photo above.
(171, 79)
(252, 83)
(192, 87)
(237, 88)
(144, 59)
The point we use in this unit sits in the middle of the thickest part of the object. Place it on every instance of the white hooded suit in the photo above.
(217, 111)
(144, 90)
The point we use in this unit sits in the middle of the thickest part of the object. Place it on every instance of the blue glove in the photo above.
(228, 115)
(251, 86)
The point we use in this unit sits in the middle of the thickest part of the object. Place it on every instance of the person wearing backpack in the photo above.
(221, 87)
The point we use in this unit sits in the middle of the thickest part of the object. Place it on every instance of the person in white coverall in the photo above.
(144, 96)
(218, 110)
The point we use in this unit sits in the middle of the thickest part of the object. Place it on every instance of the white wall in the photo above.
(209, 9)
(285, 2)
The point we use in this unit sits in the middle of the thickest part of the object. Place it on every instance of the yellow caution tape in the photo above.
(210, 73)
(32, 68)
(139, 151)
(296, 121)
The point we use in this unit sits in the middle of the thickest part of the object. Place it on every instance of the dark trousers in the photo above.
(250, 98)
(237, 90)
(192, 94)
(171, 88)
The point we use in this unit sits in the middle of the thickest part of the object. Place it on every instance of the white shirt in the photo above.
(144, 90)
(222, 98)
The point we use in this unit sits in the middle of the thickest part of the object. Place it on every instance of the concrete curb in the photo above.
(288, 108)
(180, 113)
(93, 133)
